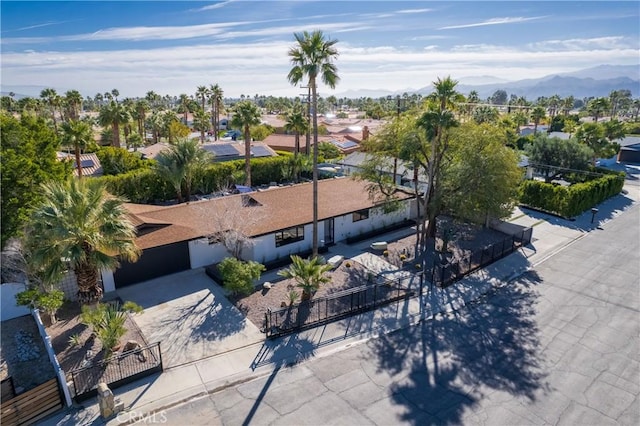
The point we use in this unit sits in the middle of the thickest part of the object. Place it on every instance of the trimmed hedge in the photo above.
(146, 186)
(572, 200)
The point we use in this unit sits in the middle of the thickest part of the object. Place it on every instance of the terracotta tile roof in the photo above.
(274, 209)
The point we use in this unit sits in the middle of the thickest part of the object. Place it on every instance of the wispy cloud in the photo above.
(44, 24)
(611, 42)
(493, 21)
(430, 37)
(413, 11)
(212, 6)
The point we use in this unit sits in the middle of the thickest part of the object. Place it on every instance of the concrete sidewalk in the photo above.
(176, 385)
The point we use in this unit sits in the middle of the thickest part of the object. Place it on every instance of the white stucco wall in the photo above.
(201, 253)
(265, 248)
(8, 307)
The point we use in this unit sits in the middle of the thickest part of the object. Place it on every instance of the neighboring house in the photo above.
(280, 142)
(629, 150)
(528, 130)
(89, 163)
(352, 163)
(278, 222)
(222, 151)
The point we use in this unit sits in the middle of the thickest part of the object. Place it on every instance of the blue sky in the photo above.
(173, 47)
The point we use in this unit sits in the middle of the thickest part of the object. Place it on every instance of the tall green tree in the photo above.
(200, 122)
(78, 134)
(296, 122)
(313, 56)
(80, 226)
(28, 159)
(559, 155)
(52, 99)
(483, 178)
(598, 107)
(73, 102)
(246, 114)
(216, 98)
(593, 135)
(537, 115)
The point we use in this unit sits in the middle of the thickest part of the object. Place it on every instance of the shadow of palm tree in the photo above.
(454, 359)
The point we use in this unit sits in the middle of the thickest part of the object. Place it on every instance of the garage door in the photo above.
(153, 263)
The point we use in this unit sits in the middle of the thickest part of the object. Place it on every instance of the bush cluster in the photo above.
(572, 200)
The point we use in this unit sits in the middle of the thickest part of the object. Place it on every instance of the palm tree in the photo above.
(597, 107)
(436, 121)
(313, 56)
(51, 97)
(308, 274)
(297, 123)
(537, 115)
(246, 114)
(217, 97)
(180, 164)
(139, 114)
(200, 122)
(79, 226)
(80, 135)
(183, 107)
(114, 114)
(73, 99)
(202, 92)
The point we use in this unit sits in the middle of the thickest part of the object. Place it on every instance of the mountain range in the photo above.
(597, 81)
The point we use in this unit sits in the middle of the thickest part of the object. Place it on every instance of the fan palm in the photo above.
(308, 274)
(180, 164)
(246, 114)
(114, 114)
(216, 98)
(313, 56)
(82, 227)
(80, 135)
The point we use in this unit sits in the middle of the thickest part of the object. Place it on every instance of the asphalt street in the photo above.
(558, 345)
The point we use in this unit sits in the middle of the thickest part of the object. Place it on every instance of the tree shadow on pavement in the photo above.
(456, 359)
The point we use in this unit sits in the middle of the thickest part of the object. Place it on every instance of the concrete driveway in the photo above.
(190, 315)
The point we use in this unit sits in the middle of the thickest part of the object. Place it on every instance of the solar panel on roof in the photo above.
(344, 144)
(84, 164)
(223, 150)
(260, 151)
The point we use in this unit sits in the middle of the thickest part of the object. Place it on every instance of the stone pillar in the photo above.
(106, 401)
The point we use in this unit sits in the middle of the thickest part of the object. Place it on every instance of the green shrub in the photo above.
(107, 321)
(573, 200)
(116, 161)
(238, 276)
(47, 301)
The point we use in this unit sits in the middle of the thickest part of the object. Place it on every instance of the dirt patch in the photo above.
(72, 356)
(464, 239)
(255, 305)
(23, 355)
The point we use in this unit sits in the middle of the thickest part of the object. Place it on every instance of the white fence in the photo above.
(52, 357)
(8, 307)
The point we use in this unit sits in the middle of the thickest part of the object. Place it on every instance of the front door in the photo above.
(328, 231)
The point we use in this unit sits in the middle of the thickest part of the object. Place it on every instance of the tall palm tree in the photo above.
(308, 274)
(73, 100)
(80, 135)
(180, 164)
(217, 98)
(139, 114)
(297, 123)
(436, 121)
(82, 227)
(202, 93)
(200, 122)
(598, 107)
(537, 115)
(314, 56)
(52, 99)
(113, 114)
(184, 107)
(246, 114)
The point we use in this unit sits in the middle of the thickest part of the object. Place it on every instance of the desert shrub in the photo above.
(238, 276)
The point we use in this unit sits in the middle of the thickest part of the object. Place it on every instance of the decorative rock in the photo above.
(379, 245)
(267, 285)
(106, 401)
(143, 355)
(131, 345)
(335, 261)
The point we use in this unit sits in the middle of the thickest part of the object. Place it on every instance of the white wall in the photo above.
(345, 227)
(264, 248)
(201, 253)
(8, 307)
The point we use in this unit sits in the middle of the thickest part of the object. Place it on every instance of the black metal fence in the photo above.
(445, 275)
(338, 305)
(117, 370)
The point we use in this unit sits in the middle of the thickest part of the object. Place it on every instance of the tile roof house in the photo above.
(278, 222)
(89, 163)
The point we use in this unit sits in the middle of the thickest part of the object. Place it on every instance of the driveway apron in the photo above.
(188, 313)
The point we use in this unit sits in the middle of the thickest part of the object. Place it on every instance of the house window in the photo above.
(289, 235)
(360, 215)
